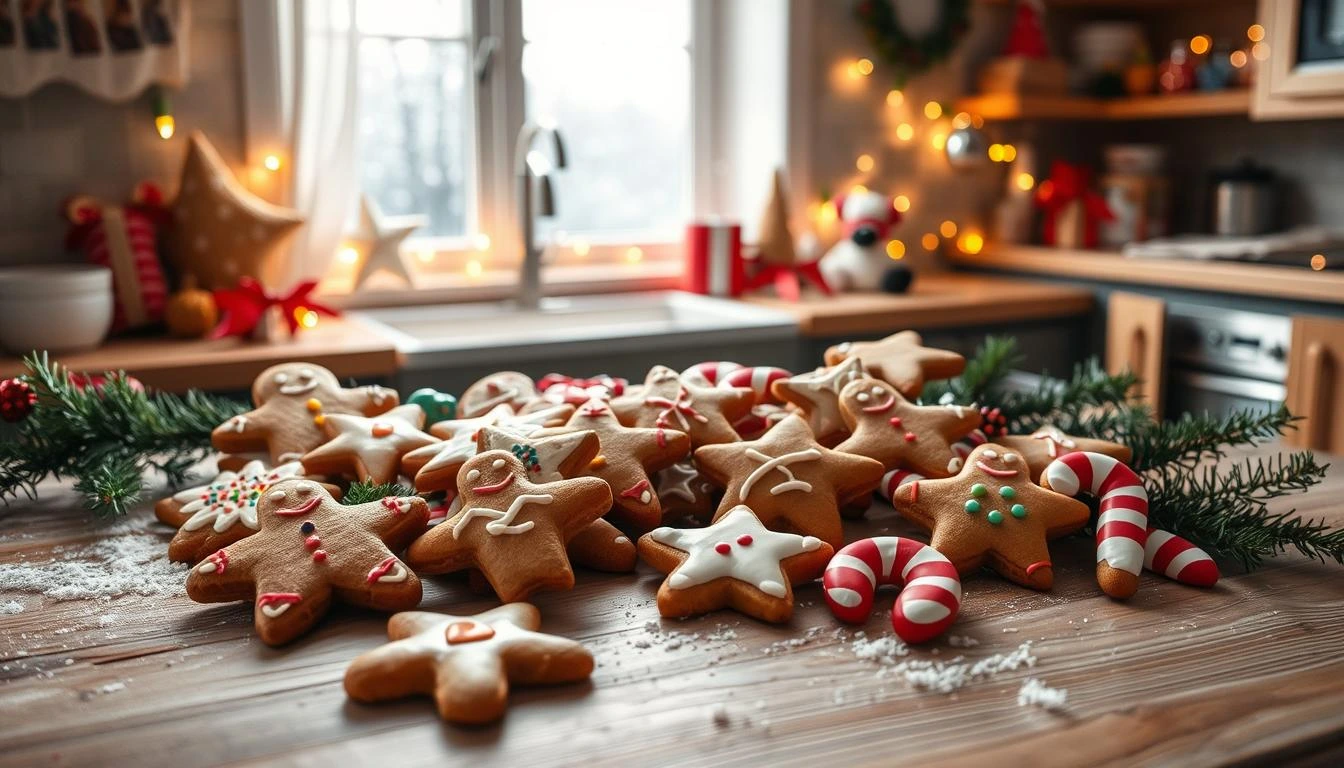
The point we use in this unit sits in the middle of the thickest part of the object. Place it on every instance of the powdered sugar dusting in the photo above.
(938, 676)
(1034, 692)
(122, 563)
(11, 608)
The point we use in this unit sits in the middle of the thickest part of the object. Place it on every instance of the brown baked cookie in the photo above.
(466, 662)
(734, 563)
(308, 548)
(516, 390)
(885, 426)
(687, 497)
(667, 404)
(368, 448)
(213, 516)
(993, 513)
(817, 395)
(901, 360)
(790, 481)
(512, 529)
(287, 396)
(434, 467)
(1048, 443)
(628, 456)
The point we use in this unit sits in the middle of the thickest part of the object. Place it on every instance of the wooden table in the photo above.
(1252, 670)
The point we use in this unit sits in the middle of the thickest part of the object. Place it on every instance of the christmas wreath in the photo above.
(907, 54)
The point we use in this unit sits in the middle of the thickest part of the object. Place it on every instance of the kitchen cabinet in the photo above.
(1316, 383)
(1136, 341)
(1304, 74)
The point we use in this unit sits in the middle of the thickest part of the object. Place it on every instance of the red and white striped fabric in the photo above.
(758, 380)
(1178, 559)
(930, 587)
(708, 374)
(1122, 526)
(126, 241)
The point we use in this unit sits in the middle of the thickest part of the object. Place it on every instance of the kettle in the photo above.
(1245, 200)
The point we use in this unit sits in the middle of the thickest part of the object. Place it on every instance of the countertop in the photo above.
(1245, 672)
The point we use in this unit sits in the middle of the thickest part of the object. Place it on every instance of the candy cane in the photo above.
(1179, 560)
(709, 374)
(758, 380)
(1122, 527)
(928, 602)
(895, 479)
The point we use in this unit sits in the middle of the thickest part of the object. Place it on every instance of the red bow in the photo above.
(242, 308)
(1068, 184)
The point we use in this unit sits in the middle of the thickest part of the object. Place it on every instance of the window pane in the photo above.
(414, 130)
(648, 22)
(411, 18)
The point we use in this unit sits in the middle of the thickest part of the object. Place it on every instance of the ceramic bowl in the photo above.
(58, 308)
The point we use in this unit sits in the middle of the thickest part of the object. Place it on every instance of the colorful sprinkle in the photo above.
(978, 490)
(994, 516)
(972, 506)
(1018, 511)
(314, 405)
(307, 527)
(1007, 492)
(312, 542)
(896, 421)
(910, 437)
(723, 548)
(745, 540)
(320, 556)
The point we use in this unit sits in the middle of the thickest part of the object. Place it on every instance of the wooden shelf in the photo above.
(1195, 104)
(1279, 282)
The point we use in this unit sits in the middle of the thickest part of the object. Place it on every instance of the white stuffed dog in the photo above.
(858, 261)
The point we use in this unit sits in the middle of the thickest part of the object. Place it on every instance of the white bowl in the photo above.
(57, 308)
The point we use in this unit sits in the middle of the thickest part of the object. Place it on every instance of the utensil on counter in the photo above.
(58, 308)
(1244, 200)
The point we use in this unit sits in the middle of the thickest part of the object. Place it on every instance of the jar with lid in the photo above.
(1137, 193)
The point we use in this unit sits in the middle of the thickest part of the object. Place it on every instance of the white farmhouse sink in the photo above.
(457, 334)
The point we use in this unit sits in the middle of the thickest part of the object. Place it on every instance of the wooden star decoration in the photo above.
(792, 482)
(221, 231)
(379, 238)
(901, 435)
(369, 448)
(466, 662)
(817, 395)
(666, 403)
(901, 360)
(308, 549)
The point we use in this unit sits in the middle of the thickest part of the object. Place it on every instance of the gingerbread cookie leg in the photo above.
(602, 547)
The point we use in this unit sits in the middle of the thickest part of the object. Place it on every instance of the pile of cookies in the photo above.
(733, 481)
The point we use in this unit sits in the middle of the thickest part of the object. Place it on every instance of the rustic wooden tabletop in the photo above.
(104, 662)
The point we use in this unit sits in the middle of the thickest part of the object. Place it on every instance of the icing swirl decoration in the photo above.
(231, 498)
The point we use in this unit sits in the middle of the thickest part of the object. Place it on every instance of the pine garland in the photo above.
(365, 491)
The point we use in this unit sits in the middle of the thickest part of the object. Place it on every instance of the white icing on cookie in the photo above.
(232, 497)
(781, 463)
(738, 546)
(501, 523)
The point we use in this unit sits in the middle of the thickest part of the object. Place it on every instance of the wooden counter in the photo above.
(346, 346)
(1232, 277)
(936, 300)
(1247, 672)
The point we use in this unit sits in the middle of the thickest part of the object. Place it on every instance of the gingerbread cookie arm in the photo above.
(602, 547)
(240, 434)
(225, 575)
(537, 659)
(397, 520)
(380, 581)
(594, 495)
(393, 671)
(370, 401)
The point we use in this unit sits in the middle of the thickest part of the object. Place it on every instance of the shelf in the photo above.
(1279, 282)
(1196, 104)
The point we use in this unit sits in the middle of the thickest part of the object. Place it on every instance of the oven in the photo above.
(1222, 360)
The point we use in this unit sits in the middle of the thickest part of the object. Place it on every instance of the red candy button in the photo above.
(723, 548)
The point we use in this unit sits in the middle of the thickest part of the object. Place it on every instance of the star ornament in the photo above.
(991, 513)
(308, 549)
(790, 481)
(369, 448)
(817, 395)
(467, 663)
(901, 360)
(379, 238)
(735, 563)
(667, 403)
(885, 426)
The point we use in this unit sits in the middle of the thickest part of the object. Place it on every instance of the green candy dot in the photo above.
(994, 516)
(978, 490)
(972, 506)
(1018, 511)
(1007, 492)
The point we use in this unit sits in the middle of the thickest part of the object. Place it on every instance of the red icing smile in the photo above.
(880, 407)
(303, 509)
(486, 490)
(980, 465)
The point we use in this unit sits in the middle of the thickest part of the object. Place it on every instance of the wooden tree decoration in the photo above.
(777, 260)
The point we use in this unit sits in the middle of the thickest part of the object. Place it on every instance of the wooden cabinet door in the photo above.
(1287, 87)
(1136, 341)
(1316, 383)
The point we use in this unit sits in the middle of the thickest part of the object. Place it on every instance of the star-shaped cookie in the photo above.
(287, 396)
(817, 395)
(309, 548)
(511, 529)
(901, 360)
(434, 467)
(685, 495)
(992, 513)
(666, 403)
(885, 426)
(1048, 443)
(792, 482)
(466, 662)
(516, 390)
(735, 563)
(369, 448)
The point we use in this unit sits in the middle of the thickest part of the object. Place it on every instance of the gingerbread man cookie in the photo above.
(817, 395)
(369, 448)
(668, 404)
(511, 529)
(308, 548)
(434, 467)
(1048, 443)
(992, 513)
(792, 482)
(901, 360)
(466, 662)
(885, 426)
(516, 390)
(735, 563)
(287, 396)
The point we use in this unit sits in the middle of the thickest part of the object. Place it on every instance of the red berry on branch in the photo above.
(17, 400)
(992, 421)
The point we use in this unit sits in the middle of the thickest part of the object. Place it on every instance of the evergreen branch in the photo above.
(1190, 439)
(984, 373)
(365, 491)
(111, 487)
(1066, 403)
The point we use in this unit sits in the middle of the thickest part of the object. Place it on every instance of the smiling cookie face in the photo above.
(869, 396)
(294, 380)
(289, 499)
(998, 464)
(887, 427)
(504, 388)
(489, 473)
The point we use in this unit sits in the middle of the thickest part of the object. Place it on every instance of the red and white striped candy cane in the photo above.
(1179, 560)
(895, 479)
(928, 602)
(758, 380)
(1122, 526)
(708, 374)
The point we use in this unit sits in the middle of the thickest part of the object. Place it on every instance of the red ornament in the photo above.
(98, 381)
(992, 421)
(242, 308)
(17, 400)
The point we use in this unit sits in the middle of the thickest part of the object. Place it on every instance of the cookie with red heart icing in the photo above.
(668, 404)
(992, 513)
(510, 388)
(885, 426)
(901, 360)
(368, 448)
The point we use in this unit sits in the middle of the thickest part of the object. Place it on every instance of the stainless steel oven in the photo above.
(1220, 360)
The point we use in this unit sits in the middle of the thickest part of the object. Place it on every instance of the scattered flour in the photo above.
(122, 563)
(962, 641)
(11, 608)
(112, 687)
(108, 620)
(671, 640)
(938, 676)
(1035, 692)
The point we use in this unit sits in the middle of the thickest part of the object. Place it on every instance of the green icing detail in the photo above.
(1018, 511)
(978, 490)
(994, 516)
(1007, 492)
(972, 506)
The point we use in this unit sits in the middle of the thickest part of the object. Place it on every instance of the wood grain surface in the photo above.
(1251, 671)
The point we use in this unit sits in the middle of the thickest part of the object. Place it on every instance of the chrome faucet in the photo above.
(527, 165)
